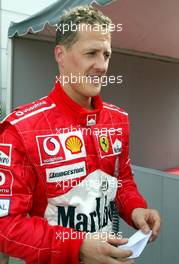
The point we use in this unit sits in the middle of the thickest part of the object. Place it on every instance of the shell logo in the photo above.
(74, 144)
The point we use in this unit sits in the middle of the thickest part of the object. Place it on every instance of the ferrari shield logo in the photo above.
(104, 143)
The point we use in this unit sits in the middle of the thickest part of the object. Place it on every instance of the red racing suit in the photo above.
(61, 169)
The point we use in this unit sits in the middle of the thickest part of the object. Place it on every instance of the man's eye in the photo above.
(91, 53)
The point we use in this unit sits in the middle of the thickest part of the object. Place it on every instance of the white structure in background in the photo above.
(13, 11)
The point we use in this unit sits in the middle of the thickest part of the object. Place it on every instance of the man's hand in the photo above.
(4, 259)
(146, 219)
(98, 251)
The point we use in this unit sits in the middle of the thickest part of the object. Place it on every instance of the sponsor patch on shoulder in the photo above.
(6, 181)
(30, 108)
(5, 154)
(4, 207)
(66, 172)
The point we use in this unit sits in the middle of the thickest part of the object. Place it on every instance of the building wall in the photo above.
(15, 11)
(149, 93)
(161, 192)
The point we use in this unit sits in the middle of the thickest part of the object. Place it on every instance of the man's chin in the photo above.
(93, 89)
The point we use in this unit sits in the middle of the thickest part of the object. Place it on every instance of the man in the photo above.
(62, 159)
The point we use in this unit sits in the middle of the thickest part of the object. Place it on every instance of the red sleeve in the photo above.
(128, 196)
(29, 238)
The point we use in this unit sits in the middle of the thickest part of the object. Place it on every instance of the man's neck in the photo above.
(85, 102)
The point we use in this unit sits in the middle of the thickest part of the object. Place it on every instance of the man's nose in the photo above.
(101, 64)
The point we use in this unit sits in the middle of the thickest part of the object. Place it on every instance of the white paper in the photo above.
(137, 243)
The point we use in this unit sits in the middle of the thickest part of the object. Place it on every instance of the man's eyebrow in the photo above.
(96, 49)
(91, 49)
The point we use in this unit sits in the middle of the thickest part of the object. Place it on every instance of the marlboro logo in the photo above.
(99, 218)
(5, 154)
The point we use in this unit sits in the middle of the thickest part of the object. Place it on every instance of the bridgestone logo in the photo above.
(64, 173)
(4, 191)
(67, 172)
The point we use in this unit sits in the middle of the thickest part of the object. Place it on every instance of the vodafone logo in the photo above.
(50, 149)
(19, 113)
(51, 146)
(6, 182)
(2, 178)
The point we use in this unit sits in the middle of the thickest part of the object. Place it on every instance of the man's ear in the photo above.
(59, 55)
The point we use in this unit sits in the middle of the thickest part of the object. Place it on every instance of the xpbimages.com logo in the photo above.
(64, 183)
(73, 235)
(103, 28)
(90, 79)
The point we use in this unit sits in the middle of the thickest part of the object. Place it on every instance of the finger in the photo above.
(117, 241)
(142, 224)
(131, 261)
(110, 260)
(156, 225)
(119, 253)
(152, 238)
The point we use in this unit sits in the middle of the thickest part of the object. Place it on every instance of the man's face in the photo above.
(87, 57)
